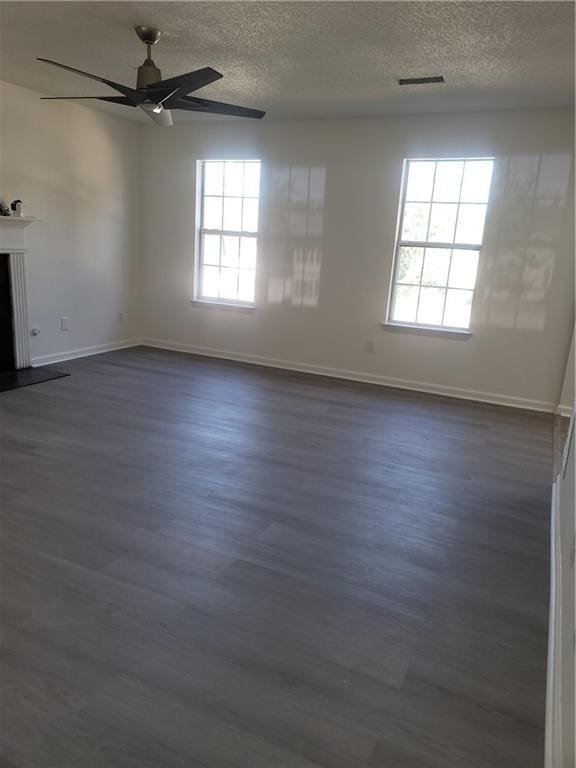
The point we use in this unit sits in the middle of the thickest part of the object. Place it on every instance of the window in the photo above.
(441, 225)
(226, 268)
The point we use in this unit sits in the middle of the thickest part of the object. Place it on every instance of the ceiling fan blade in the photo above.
(130, 93)
(157, 113)
(195, 104)
(183, 84)
(113, 99)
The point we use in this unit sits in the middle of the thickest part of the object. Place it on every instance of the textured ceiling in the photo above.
(306, 59)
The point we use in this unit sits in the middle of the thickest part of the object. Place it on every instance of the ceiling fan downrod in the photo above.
(148, 72)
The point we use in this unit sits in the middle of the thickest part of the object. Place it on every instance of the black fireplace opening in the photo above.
(7, 361)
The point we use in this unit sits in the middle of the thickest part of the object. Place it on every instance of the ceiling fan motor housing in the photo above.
(148, 73)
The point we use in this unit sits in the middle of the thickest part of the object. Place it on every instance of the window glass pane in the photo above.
(447, 181)
(252, 179)
(409, 267)
(211, 249)
(470, 225)
(442, 223)
(230, 251)
(458, 308)
(228, 283)
(431, 306)
(213, 178)
(233, 178)
(436, 264)
(229, 205)
(463, 269)
(246, 285)
(210, 282)
(212, 213)
(477, 180)
(233, 213)
(250, 215)
(248, 252)
(415, 223)
(445, 202)
(420, 180)
(405, 302)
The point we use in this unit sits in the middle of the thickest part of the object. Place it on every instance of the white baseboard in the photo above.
(270, 362)
(71, 354)
(386, 381)
(564, 410)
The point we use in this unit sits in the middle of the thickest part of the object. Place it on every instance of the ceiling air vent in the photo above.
(420, 80)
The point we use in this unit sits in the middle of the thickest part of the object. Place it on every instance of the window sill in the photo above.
(428, 330)
(206, 304)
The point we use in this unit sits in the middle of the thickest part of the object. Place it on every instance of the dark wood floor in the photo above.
(210, 564)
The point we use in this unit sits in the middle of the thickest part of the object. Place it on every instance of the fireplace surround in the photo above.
(13, 243)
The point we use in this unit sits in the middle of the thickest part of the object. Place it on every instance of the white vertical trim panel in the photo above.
(553, 733)
(19, 308)
(560, 702)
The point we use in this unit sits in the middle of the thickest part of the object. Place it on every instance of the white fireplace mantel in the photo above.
(12, 234)
(18, 222)
(13, 242)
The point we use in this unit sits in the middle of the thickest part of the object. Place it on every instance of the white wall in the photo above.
(523, 311)
(78, 170)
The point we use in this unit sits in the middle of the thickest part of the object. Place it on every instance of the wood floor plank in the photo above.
(211, 564)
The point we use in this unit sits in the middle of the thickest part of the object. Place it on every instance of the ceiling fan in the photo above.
(157, 97)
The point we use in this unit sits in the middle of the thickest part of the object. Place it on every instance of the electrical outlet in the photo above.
(370, 346)
(64, 323)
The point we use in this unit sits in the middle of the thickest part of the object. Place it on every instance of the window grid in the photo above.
(241, 234)
(445, 288)
(426, 245)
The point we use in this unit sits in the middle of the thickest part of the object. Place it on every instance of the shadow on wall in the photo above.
(529, 200)
(296, 268)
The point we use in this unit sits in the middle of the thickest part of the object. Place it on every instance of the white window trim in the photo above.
(427, 330)
(441, 330)
(197, 299)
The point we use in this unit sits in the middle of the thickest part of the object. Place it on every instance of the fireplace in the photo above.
(15, 369)
(14, 330)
